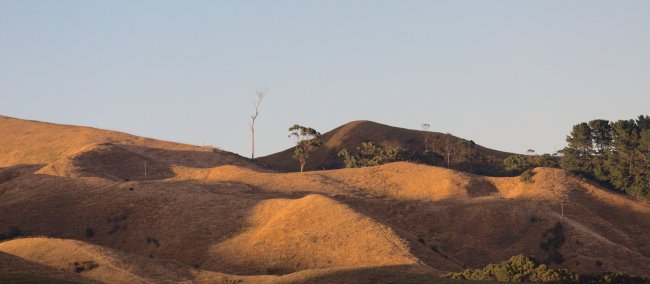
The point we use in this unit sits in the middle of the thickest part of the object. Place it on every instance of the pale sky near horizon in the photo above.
(510, 75)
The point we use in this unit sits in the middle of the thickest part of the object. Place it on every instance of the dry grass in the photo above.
(223, 215)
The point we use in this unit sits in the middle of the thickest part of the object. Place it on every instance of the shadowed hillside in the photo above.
(351, 135)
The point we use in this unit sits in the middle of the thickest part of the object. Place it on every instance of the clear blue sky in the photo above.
(511, 75)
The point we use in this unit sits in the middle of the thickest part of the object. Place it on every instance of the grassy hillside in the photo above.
(210, 216)
(351, 135)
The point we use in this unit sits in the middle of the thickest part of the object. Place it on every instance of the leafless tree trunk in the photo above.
(260, 95)
(449, 148)
(425, 128)
(302, 165)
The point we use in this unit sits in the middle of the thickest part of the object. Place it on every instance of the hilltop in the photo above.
(351, 135)
(207, 215)
(26, 142)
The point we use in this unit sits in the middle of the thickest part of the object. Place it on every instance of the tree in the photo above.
(260, 93)
(517, 163)
(307, 141)
(601, 133)
(467, 151)
(446, 146)
(578, 153)
(625, 134)
(615, 153)
(427, 135)
(546, 160)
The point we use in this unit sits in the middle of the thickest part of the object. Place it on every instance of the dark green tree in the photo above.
(621, 164)
(616, 153)
(601, 133)
(578, 153)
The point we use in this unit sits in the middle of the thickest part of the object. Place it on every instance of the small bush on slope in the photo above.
(527, 176)
(554, 239)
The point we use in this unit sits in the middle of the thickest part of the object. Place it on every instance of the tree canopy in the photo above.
(307, 141)
(614, 153)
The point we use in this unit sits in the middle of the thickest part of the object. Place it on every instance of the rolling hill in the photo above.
(351, 135)
(203, 215)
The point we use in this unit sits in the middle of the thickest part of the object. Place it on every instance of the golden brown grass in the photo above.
(218, 212)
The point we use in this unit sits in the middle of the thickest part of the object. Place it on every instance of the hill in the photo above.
(25, 142)
(211, 215)
(351, 135)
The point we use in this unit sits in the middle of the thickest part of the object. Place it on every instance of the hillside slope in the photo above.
(199, 210)
(351, 135)
(25, 142)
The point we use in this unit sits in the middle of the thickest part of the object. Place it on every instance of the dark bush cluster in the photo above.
(553, 240)
(520, 163)
(90, 233)
(83, 266)
(13, 232)
(370, 154)
(520, 268)
(153, 241)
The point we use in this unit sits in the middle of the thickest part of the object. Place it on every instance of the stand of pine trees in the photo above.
(614, 153)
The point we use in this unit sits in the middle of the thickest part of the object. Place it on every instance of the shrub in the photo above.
(370, 154)
(554, 239)
(517, 163)
(90, 233)
(14, 232)
(154, 241)
(527, 176)
(520, 268)
(79, 267)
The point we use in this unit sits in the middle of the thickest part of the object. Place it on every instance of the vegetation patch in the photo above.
(12, 233)
(527, 176)
(520, 268)
(153, 241)
(553, 240)
(615, 154)
(370, 154)
(90, 233)
(83, 266)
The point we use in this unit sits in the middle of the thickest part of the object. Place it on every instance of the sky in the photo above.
(510, 75)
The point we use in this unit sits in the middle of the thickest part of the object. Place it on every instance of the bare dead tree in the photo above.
(449, 148)
(260, 93)
(425, 128)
